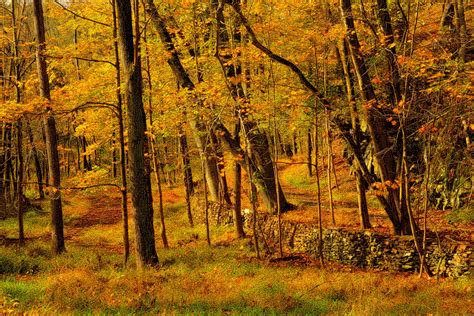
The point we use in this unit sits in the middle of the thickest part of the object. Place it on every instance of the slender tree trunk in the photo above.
(223, 189)
(200, 131)
(275, 148)
(20, 197)
(357, 135)
(463, 35)
(154, 155)
(187, 174)
(3, 202)
(51, 134)
(318, 186)
(238, 223)
(427, 157)
(123, 167)
(187, 171)
(206, 202)
(140, 184)
(19, 134)
(390, 51)
(7, 176)
(124, 188)
(310, 153)
(164, 238)
(329, 169)
(406, 188)
(114, 156)
(253, 197)
(376, 123)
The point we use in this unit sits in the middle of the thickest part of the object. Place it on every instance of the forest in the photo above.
(236, 157)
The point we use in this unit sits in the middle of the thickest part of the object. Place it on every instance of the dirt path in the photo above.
(345, 203)
(93, 214)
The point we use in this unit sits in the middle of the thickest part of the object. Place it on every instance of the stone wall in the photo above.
(364, 249)
(367, 249)
(219, 214)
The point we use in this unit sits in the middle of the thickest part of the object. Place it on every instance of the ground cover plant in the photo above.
(194, 157)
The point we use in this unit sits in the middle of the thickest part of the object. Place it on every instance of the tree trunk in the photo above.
(200, 131)
(206, 202)
(309, 163)
(20, 197)
(123, 167)
(187, 175)
(187, 171)
(329, 168)
(114, 157)
(3, 202)
(238, 223)
(318, 186)
(140, 184)
(7, 175)
(51, 134)
(390, 51)
(224, 196)
(154, 155)
(357, 134)
(377, 124)
(257, 138)
(463, 35)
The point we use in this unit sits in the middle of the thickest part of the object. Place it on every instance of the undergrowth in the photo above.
(193, 278)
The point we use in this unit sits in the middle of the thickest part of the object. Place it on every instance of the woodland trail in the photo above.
(86, 213)
(300, 189)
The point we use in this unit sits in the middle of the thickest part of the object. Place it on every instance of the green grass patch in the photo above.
(297, 177)
(22, 295)
(461, 215)
(193, 278)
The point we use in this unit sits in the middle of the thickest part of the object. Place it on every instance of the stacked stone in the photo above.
(366, 249)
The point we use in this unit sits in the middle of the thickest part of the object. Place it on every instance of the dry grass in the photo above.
(194, 278)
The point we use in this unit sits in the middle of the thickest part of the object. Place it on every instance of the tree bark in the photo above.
(20, 196)
(187, 171)
(463, 35)
(357, 134)
(200, 131)
(257, 138)
(187, 175)
(140, 184)
(123, 167)
(238, 222)
(376, 122)
(309, 163)
(51, 134)
(394, 85)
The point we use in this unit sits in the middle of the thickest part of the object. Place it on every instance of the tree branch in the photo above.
(236, 6)
(91, 104)
(80, 16)
(96, 60)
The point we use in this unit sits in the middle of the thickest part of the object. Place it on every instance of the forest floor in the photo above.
(195, 278)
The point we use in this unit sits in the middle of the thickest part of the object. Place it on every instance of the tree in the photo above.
(376, 120)
(262, 163)
(140, 183)
(51, 134)
(200, 131)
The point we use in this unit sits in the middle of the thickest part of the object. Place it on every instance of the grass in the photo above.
(223, 280)
(36, 220)
(196, 279)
